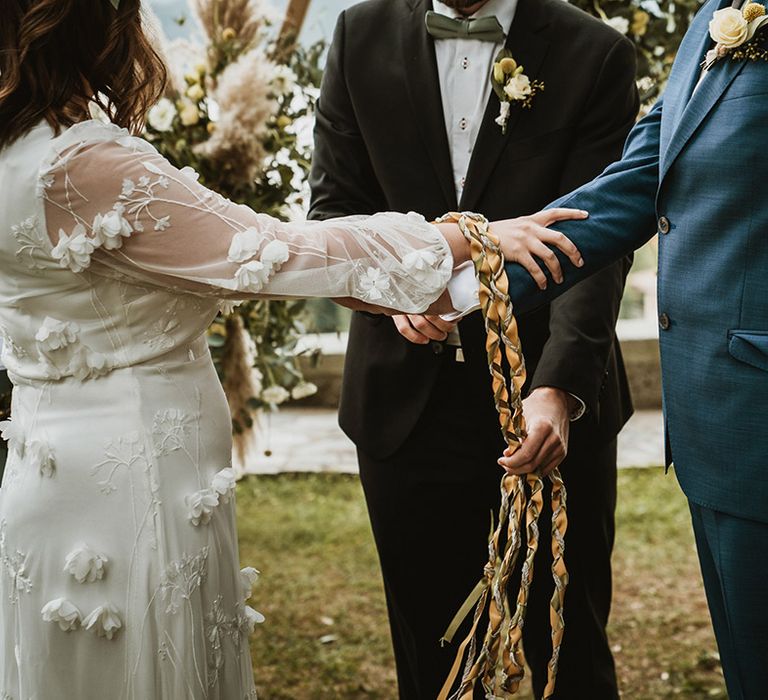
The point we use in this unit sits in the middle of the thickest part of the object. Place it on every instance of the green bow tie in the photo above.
(481, 28)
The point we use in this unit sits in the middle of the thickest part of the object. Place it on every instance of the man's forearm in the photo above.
(621, 205)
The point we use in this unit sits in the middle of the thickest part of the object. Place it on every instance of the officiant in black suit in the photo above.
(406, 121)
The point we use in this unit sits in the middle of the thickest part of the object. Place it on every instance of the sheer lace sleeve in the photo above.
(118, 208)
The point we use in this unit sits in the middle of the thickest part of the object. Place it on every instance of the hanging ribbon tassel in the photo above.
(499, 664)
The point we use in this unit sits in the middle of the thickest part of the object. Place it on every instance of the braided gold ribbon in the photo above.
(499, 664)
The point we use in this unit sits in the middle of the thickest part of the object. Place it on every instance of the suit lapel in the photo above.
(691, 108)
(529, 50)
(424, 92)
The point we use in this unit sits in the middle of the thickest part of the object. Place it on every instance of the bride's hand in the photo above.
(527, 237)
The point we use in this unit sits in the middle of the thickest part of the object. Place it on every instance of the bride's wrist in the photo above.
(458, 244)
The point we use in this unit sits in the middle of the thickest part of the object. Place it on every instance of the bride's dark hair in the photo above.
(59, 56)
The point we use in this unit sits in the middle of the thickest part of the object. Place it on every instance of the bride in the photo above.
(119, 573)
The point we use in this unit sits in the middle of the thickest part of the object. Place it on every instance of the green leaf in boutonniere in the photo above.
(512, 86)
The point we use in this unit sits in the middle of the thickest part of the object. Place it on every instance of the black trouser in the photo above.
(430, 506)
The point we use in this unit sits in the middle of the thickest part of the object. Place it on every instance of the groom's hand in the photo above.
(547, 415)
(421, 329)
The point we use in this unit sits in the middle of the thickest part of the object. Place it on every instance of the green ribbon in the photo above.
(480, 28)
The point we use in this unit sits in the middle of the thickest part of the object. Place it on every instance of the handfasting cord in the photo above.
(499, 664)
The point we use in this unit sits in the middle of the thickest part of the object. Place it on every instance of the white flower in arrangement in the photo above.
(620, 24)
(62, 612)
(303, 390)
(40, 457)
(248, 578)
(252, 276)
(74, 251)
(55, 334)
(201, 505)
(244, 245)
(189, 114)
(223, 483)
(728, 28)
(195, 92)
(104, 621)
(518, 87)
(284, 79)
(250, 619)
(374, 283)
(275, 253)
(161, 116)
(85, 565)
(109, 229)
(275, 395)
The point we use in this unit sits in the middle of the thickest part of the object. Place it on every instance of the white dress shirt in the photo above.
(464, 67)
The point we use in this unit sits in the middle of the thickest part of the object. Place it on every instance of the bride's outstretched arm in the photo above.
(124, 208)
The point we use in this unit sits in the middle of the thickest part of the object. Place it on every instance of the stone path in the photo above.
(309, 440)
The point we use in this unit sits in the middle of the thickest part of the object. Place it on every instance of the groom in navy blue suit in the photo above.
(694, 170)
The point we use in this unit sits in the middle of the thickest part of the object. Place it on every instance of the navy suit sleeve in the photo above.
(622, 216)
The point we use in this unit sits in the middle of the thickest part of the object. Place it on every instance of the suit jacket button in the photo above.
(437, 347)
(664, 225)
(664, 322)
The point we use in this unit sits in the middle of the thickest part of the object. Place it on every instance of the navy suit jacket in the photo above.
(694, 169)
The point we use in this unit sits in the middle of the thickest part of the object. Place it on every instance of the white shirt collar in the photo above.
(503, 9)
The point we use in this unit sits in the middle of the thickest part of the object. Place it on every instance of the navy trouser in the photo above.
(734, 564)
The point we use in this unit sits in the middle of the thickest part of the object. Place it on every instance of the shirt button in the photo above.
(463, 123)
(437, 347)
(664, 322)
(465, 63)
(664, 225)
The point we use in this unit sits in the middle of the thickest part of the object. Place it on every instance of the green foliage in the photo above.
(268, 176)
(655, 26)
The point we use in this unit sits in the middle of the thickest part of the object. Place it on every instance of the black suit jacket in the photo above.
(381, 144)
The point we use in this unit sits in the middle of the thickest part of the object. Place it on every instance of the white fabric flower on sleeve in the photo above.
(13, 433)
(63, 613)
(40, 457)
(55, 334)
(275, 253)
(74, 251)
(248, 578)
(244, 245)
(250, 619)
(252, 277)
(201, 505)
(105, 621)
(85, 565)
(223, 483)
(109, 229)
(373, 283)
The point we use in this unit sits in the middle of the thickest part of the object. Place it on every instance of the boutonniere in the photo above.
(733, 32)
(512, 86)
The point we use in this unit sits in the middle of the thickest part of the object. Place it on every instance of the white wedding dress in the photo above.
(119, 572)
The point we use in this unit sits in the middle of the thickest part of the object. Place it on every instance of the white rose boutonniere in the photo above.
(733, 31)
(512, 86)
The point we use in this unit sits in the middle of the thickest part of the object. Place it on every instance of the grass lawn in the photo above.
(326, 636)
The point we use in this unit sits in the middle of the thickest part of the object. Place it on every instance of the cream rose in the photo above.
(729, 28)
(518, 87)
